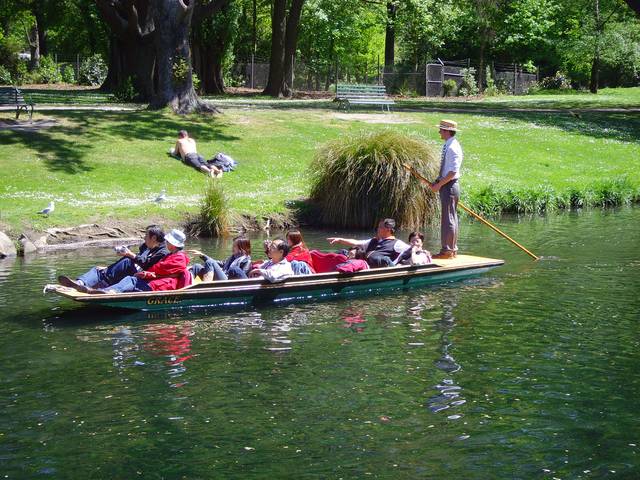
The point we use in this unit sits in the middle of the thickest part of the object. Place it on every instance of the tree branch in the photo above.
(203, 12)
(109, 13)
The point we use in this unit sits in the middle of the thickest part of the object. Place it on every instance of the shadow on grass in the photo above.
(67, 148)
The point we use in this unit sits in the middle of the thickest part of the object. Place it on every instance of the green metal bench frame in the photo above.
(348, 95)
(14, 96)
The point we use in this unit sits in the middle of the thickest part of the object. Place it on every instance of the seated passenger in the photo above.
(278, 267)
(299, 256)
(237, 265)
(150, 252)
(355, 263)
(382, 249)
(415, 254)
(170, 273)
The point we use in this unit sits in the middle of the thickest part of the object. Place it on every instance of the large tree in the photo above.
(150, 45)
(284, 40)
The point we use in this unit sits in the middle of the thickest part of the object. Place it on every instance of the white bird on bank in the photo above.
(162, 197)
(50, 208)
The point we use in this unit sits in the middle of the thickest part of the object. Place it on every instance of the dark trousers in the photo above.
(449, 196)
(195, 160)
(104, 277)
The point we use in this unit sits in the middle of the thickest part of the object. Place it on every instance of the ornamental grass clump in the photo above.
(358, 180)
(214, 219)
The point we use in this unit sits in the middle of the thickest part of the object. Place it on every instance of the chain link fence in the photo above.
(421, 80)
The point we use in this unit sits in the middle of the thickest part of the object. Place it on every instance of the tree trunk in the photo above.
(42, 32)
(275, 84)
(595, 73)
(290, 45)
(207, 63)
(131, 46)
(172, 20)
(634, 5)
(390, 38)
(34, 47)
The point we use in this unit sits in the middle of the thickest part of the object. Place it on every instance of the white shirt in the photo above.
(276, 272)
(452, 158)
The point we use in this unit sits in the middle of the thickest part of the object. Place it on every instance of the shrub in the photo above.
(68, 74)
(468, 86)
(358, 180)
(196, 82)
(559, 81)
(93, 71)
(491, 90)
(449, 88)
(48, 71)
(21, 73)
(125, 92)
(5, 76)
(214, 218)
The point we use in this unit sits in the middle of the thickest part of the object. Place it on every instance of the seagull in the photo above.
(50, 208)
(160, 198)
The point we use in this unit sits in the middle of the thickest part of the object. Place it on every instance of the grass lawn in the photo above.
(111, 165)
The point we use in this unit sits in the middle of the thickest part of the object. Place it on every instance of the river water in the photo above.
(530, 371)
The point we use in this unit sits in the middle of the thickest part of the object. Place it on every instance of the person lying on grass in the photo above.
(186, 148)
(277, 268)
(237, 265)
(151, 251)
(170, 273)
(414, 255)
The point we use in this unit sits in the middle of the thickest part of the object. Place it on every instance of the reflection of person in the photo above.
(414, 255)
(186, 148)
(170, 273)
(151, 252)
(170, 340)
(382, 249)
(447, 186)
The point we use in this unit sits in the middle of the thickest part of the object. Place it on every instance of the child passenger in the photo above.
(415, 254)
(277, 268)
(237, 265)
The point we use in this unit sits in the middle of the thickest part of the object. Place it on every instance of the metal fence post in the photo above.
(252, 72)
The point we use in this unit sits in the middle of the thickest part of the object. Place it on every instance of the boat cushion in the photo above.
(326, 261)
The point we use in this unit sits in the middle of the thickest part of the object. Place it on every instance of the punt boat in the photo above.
(252, 292)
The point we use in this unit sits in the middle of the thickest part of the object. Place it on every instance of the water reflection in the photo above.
(449, 394)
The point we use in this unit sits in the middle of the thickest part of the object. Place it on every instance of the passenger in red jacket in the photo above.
(170, 273)
(299, 253)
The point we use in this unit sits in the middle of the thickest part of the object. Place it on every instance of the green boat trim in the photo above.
(241, 293)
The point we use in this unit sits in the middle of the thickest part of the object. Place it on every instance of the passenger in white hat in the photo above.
(448, 188)
(170, 273)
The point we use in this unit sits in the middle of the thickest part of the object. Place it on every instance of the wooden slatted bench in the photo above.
(13, 96)
(348, 95)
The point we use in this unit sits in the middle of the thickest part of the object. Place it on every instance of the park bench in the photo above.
(348, 95)
(13, 96)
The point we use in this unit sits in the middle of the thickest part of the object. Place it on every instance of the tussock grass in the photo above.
(359, 179)
(215, 217)
(544, 199)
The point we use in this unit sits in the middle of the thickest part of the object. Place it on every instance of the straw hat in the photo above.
(176, 238)
(448, 125)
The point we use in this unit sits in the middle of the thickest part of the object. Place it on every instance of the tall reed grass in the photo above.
(359, 179)
(214, 218)
(543, 198)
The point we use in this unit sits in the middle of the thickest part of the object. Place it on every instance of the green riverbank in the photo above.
(110, 166)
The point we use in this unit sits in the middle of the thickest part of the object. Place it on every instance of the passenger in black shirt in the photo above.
(382, 249)
(150, 252)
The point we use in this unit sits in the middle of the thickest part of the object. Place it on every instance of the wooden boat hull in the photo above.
(240, 293)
